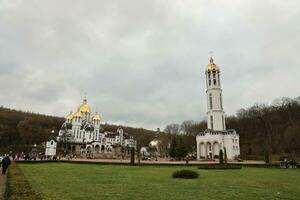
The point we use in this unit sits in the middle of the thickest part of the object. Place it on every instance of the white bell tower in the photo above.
(215, 113)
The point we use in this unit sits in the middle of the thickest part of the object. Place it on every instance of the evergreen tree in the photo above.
(267, 157)
(172, 150)
(225, 155)
(180, 149)
(221, 160)
(132, 155)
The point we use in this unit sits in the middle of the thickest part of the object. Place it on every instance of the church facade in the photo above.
(83, 135)
(216, 137)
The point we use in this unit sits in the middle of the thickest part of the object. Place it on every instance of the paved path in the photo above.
(159, 162)
(2, 185)
(164, 161)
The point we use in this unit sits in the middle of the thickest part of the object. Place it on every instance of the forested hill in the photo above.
(262, 128)
(20, 130)
(274, 128)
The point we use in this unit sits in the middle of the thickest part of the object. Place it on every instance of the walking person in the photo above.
(5, 164)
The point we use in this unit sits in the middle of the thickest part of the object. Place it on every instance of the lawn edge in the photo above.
(17, 186)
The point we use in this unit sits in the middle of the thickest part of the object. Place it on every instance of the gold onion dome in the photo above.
(70, 116)
(77, 114)
(96, 117)
(212, 65)
(154, 143)
(85, 108)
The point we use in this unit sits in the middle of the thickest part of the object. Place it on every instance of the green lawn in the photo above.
(90, 181)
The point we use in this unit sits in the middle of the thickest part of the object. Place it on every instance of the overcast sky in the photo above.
(142, 62)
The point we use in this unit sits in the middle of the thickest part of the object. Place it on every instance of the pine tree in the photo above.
(132, 155)
(267, 157)
(180, 149)
(225, 155)
(172, 150)
(221, 160)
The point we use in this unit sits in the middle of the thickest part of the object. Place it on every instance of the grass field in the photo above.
(89, 181)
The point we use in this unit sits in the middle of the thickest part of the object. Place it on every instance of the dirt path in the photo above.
(2, 185)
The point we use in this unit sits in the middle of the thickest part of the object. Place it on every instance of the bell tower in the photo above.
(215, 113)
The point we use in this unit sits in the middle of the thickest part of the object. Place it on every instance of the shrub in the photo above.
(189, 174)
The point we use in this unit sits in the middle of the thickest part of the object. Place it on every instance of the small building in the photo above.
(51, 144)
(216, 137)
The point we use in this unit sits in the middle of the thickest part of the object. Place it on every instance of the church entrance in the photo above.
(216, 149)
(208, 150)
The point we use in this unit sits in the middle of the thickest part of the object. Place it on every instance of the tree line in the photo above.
(271, 129)
(20, 130)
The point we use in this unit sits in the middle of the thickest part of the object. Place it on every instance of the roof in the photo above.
(70, 116)
(154, 143)
(85, 108)
(230, 131)
(96, 117)
(110, 135)
(78, 114)
(52, 137)
(211, 65)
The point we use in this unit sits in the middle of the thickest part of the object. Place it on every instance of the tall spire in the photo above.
(215, 113)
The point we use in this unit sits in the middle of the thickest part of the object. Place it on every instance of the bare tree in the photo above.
(188, 127)
(172, 128)
(65, 139)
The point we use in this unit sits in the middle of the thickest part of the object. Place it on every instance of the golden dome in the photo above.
(212, 65)
(77, 114)
(70, 116)
(154, 143)
(96, 117)
(85, 108)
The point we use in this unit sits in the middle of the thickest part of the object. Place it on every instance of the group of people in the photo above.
(287, 164)
(5, 164)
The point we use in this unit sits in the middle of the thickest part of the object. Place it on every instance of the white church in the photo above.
(83, 135)
(216, 137)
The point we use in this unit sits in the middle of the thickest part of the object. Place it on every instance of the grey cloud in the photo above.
(142, 63)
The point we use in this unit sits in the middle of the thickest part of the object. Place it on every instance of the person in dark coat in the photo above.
(5, 164)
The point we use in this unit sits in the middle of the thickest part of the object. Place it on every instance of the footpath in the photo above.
(2, 185)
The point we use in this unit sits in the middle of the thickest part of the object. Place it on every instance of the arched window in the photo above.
(209, 79)
(223, 122)
(214, 77)
(212, 122)
(221, 103)
(210, 101)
